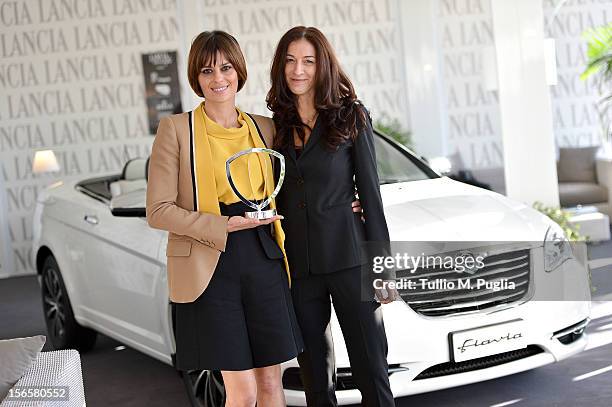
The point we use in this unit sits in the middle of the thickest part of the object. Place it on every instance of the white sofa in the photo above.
(54, 369)
(585, 179)
(604, 178)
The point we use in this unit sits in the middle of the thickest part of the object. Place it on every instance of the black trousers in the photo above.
(363, 330)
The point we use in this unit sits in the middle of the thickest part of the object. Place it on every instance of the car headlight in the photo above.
(557, 249)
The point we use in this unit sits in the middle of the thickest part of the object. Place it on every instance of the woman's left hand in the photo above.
(385, 296)
(236, 223)
(357, 208)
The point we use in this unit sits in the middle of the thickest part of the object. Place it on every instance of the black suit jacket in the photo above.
(323, 234)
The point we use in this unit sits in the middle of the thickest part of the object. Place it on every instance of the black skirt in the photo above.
(245, 318)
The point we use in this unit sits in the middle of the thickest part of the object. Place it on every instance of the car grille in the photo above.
(344, 377)
(450, 368)
(511, 266)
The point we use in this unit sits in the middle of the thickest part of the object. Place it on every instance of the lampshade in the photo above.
(45, 162)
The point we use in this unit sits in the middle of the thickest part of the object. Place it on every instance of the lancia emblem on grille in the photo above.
(469, 261)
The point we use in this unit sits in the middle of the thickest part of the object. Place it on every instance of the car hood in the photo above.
(443, 209)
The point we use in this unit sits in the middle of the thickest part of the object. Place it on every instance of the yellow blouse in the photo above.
(246, 171)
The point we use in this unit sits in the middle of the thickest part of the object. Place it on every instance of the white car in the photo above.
(102, 269)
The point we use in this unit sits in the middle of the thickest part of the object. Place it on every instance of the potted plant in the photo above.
(599, 64)
(393, 128)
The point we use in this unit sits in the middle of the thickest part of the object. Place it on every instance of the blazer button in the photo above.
(300, 181)
(302, 205)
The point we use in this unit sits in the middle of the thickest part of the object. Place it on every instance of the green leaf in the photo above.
(599, 52)
(393, 128)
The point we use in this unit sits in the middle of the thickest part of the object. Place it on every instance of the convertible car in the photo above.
(102, 269)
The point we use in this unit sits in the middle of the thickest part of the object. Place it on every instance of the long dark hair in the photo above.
(335, 98)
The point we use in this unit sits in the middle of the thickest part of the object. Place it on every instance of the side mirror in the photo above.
(441, 165)
(131, 204)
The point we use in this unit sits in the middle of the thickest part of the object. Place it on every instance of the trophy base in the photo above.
(261, 215)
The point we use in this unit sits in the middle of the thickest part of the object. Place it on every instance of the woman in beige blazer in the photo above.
(227, 274)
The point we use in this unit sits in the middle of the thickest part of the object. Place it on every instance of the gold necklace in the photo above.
(312, 119)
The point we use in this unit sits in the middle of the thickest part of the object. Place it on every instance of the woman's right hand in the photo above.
(236, 223)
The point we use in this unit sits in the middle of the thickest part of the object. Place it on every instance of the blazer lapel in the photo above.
(291, 153)
(192, 162)
(315, 135)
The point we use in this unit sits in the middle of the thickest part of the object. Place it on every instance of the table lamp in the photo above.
(45, 162)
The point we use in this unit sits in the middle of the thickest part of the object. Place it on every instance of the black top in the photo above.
(323, 234)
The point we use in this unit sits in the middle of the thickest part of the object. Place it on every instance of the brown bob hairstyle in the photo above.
(335, 99)
(204, 50)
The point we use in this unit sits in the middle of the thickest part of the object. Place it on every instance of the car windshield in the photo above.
(395, 165)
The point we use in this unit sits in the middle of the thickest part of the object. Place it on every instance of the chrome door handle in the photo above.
(92, 219)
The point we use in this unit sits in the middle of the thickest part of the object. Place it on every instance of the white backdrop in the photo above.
(365, 34)
(71, 78)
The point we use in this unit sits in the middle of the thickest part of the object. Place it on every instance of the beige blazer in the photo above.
(195, 240)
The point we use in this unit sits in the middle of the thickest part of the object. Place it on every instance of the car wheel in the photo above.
(205, 388)
(64, 331)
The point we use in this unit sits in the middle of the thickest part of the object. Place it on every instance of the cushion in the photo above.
(16, 357)
(577, 164)
(55, 368)
(581, 193)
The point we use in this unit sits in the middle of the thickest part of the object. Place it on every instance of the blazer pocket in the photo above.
(269, 245)
(178, 248)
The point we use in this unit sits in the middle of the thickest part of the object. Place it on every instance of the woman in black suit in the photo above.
(326, 136)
